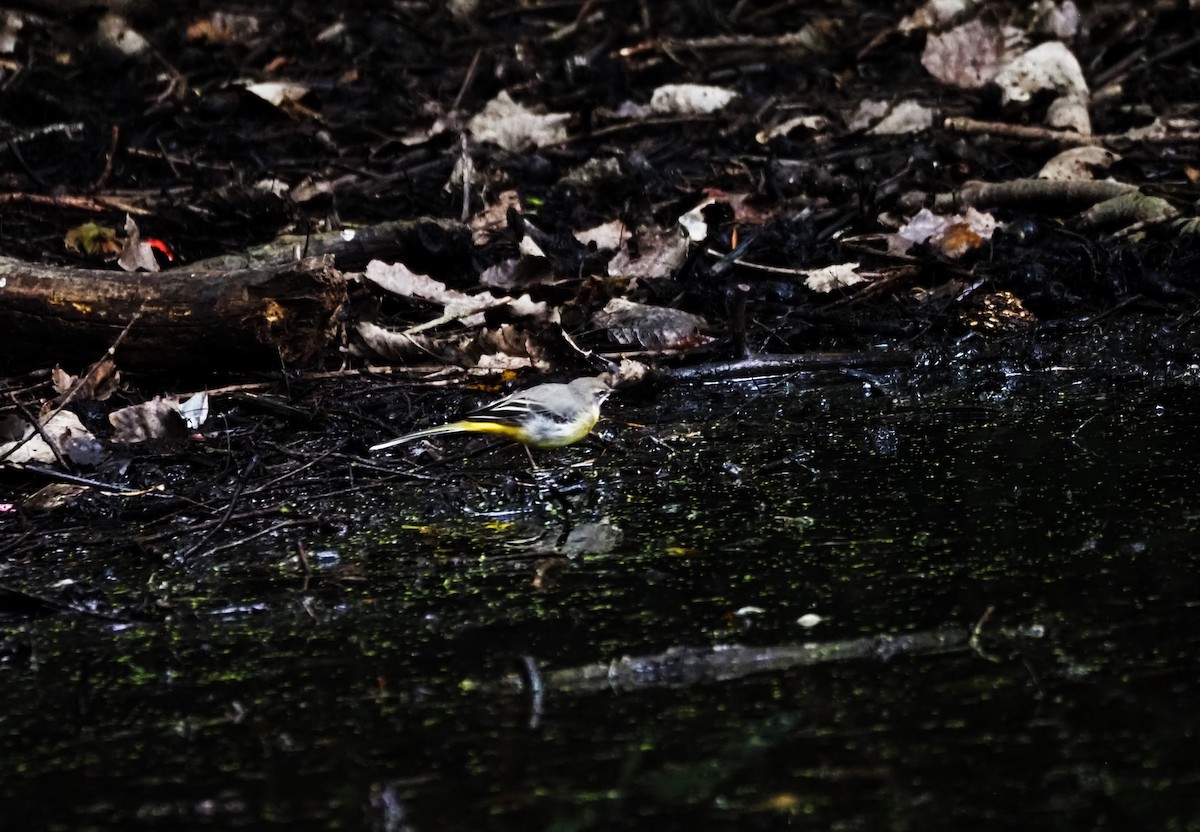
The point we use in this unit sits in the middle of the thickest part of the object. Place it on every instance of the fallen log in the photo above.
(252, 318)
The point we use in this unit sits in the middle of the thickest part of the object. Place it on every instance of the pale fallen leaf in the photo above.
(400, 280)
(690, 99)
(828, 278)
(1078, 163)
(904, 117)
(630, 372)
(1058, 20)
(659, 252)
(10, 28)
(606, 237)
(967, 56)
(593, 173)
(225, 28)
(1070, 112)
(508, 347)
(867, 113)
(1049, 66)
(813, 123)
(70, 437)
(493, 218)
(277, 93)
(935, 14)
(308, 189)
(514, 127)
(114, 31)
(194, 410)
(516, 271)
(75, 442)
(954, 235)
(156, 419)
(136, 254)
(693, 222)
(528, 247)
(100, 381)
(375, 341)
(652, 327)
(500, 362)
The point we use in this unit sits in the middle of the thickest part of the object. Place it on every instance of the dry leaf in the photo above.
(100, 381)
(652, 327)
(1078, 163)
(136, 254)
(493, 218)
(937, 13)
(194, 410)
(606, 237)
(224, 28)
(278, 93)
(690, 99)
(70, 437)
(659, 253)
(93, 240)
(1049, 66)
(966, 56)
(156, 419)
(828, 278)
(514, 127)
(954, 235)
(114, 31)
(904, 117)
(814, 123)
(53, 496)
(388, 345)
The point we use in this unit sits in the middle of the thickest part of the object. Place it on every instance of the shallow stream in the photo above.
(998, 589)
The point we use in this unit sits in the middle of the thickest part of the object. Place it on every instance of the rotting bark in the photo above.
(351, 248)
(241, 319)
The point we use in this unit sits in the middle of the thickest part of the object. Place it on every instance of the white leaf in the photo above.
(828, 278)
(514, 127)
(194, 410)
(690, 99)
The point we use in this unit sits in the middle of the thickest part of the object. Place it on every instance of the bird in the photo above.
(545, 416)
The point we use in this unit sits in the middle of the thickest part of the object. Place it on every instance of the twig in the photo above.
(470, 76)
(286, 524)
(1066, 138)
(106, 172)
(82, 203)
(1041, 193)
(233, 500)
(68, 127)
(1023, 132)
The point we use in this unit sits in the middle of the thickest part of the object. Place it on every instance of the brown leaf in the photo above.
(156, 419)
(135, 254)
(652, 327)
(967, 56)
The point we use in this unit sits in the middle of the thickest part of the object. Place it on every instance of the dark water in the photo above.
(1059, 514)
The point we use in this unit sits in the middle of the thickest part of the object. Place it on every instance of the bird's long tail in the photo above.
(453, 427)
(464, 426)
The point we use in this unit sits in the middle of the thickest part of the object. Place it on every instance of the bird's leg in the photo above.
(532, 461)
